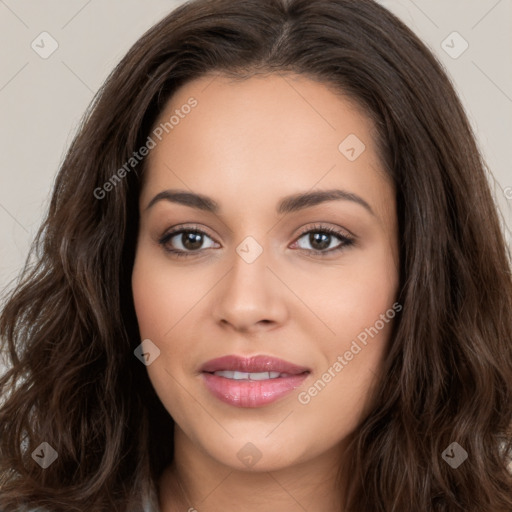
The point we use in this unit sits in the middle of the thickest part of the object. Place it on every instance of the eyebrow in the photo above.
(288, 204)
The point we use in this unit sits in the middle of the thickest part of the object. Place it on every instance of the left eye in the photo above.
(322, 240)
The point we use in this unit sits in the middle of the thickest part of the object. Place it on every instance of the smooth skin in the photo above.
(247, 145)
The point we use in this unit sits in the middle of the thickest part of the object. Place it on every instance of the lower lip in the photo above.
(251, 393)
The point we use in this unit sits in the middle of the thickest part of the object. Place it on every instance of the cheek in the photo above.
(144, 289)
(164, 299)
(356, 306)
(160, 296)
(349, 297)
(344, 383)
(157, 310)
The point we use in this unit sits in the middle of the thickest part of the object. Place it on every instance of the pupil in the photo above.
(319, 241)
(192, 240)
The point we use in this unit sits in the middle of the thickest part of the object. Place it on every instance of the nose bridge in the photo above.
(249, 274)
(248, 294)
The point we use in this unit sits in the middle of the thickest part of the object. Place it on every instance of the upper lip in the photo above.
(254, 364)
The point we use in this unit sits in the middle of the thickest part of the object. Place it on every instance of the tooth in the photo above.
(260, 376)
(225, 373)
(228, 374)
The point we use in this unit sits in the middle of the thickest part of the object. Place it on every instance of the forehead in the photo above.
(274, 132)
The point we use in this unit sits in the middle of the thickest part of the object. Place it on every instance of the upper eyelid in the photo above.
(343, 232)
(180, 229)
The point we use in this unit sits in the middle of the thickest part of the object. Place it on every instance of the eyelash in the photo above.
(346, 241)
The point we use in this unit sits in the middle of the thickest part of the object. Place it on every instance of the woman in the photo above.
(271, 276)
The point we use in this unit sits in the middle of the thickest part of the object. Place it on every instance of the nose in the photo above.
(250, 298)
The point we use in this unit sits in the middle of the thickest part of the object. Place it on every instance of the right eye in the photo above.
(185, 242)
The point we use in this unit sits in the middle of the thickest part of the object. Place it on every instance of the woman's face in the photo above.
(237, 187)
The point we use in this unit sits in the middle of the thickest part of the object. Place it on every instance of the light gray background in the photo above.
(42, 100)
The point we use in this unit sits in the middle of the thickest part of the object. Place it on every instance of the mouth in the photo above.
(251, 382)
(234, 375)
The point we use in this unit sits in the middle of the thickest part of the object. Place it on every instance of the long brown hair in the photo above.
(69, 328)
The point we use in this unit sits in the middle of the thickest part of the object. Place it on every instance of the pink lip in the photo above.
(246, 393)
(252, 364)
